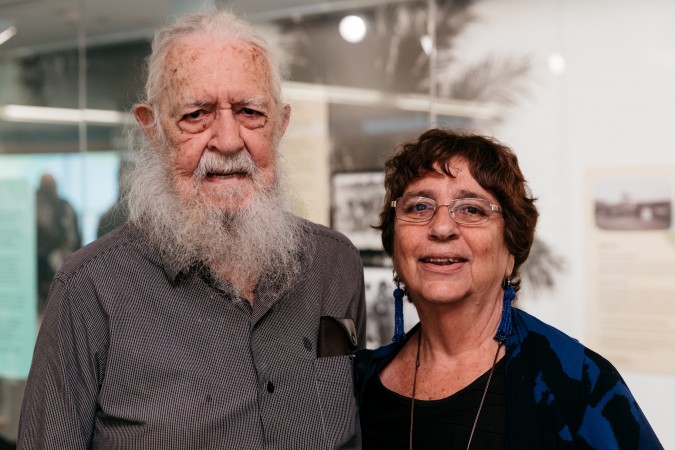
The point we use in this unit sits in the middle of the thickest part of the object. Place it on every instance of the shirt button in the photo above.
(307, 343)
(270, 387)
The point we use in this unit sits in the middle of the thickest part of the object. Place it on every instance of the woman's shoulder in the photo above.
(536, 341)
(525, 323)
(566, 379)
(545, 349)
(544, 346)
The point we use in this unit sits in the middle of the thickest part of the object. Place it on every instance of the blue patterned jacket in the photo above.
(559, 394)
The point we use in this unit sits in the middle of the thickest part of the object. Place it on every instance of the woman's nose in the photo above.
(442, 227)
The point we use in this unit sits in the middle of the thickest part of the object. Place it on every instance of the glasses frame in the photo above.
(451, 211)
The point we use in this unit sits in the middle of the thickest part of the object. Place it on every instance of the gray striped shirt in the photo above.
(136, 354)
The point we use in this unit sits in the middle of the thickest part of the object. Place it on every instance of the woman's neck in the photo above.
(457, 346)
(460, 328)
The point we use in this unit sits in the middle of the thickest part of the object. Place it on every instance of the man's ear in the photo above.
(285, 118)
(145, 116)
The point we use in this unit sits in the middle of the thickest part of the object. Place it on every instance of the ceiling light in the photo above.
(352, 29)
(369, 97)
(556, 63)
(7, 34)
(427, 43)
(41, 114)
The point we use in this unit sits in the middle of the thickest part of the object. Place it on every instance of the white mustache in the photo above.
(211, 162)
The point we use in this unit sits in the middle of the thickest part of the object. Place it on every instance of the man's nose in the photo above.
(225, 133)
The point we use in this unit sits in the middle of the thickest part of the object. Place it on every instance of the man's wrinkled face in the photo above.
(219, 120)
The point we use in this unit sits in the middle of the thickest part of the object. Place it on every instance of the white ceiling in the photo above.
(45, 24)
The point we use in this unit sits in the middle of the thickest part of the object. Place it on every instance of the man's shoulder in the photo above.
(119, 243)
(325, 236)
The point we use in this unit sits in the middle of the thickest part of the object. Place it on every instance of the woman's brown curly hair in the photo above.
(493, 165)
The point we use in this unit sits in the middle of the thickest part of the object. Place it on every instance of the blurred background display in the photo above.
(582, 91)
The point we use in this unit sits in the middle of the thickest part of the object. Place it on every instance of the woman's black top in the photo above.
(438, 424)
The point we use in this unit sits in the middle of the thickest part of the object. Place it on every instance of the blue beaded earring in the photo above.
(399, 333)
(504, 329)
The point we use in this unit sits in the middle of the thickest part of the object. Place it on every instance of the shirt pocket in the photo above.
(334, 379)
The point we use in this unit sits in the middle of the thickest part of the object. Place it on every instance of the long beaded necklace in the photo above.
(414, 388)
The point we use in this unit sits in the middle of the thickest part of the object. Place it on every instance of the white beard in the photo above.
(259, 241)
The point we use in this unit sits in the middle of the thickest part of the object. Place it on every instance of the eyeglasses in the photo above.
(464, 211)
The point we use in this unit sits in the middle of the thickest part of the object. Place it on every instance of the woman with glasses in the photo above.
(458, 223)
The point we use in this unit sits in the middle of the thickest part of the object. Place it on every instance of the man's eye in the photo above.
(194, 115)
(251, 118)
(196, 121)
(250, 112)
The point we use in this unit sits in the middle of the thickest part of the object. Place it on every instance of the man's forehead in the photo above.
(202, 70)
(186, 52)
(250, 93)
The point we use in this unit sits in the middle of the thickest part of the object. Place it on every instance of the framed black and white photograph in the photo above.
(633, 203)
(357, 199)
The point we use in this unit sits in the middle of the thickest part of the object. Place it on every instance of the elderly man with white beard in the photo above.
(214, 319)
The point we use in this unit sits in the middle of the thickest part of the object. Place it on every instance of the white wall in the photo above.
(614, 106)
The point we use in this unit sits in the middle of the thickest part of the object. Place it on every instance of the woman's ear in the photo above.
(145, 116)
(511, 261)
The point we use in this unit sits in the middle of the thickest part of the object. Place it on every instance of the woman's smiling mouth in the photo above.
(443, 261)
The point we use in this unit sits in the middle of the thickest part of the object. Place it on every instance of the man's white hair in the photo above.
(221, 26)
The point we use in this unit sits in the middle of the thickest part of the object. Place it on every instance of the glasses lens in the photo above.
(472, 210)
(415, 209)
